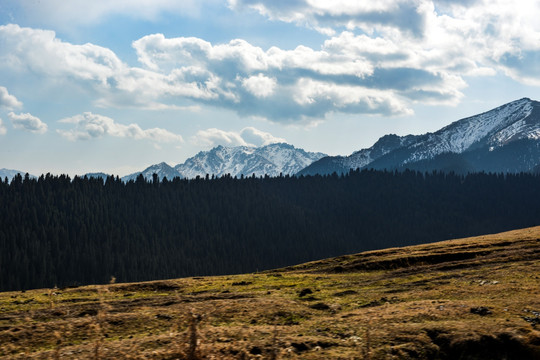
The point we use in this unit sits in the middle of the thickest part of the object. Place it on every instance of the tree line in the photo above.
(55, 230)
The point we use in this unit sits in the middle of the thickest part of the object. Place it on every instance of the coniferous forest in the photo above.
(60, 231)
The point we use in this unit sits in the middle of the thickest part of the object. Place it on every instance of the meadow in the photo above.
(473, 298)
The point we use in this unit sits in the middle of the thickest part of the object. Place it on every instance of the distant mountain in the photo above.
(10, 174)
(505, 139)
(271, 160)
(162, 170)
(358, 159)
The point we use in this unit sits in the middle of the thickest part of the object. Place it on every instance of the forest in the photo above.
(58, 231)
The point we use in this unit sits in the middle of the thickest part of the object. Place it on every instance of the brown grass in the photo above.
(403, 303)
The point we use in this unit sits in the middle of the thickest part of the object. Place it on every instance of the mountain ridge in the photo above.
(162, 170)
(504, 139)
(10, 174)
(272, 160)
(468, 137)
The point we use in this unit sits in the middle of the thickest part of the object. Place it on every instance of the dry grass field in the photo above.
(474, 298)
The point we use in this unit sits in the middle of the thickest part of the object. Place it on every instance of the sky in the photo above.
(116, 86)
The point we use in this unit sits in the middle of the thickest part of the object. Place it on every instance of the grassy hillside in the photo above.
(474, 298)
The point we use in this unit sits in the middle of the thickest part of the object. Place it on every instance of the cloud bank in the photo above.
(379, 58)
(90, 126)
(248, 136)
(27, 122)
(474, 36)
(324, 16)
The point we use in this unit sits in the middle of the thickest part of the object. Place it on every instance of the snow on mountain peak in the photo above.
(272, 160)
(491, 130)
(162, 170)
(10, 174)
(492, 127)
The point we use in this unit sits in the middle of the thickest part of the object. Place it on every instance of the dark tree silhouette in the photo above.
(60, 231)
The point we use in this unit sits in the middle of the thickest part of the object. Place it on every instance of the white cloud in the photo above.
(157, 52)
(3, 129)
(162, 136)
(260, 85)
(507, 36)
(258, 137)
(7, 100)
(346, 98)
(326, 16)
(41, 52)
(248, 136)
(213, 137)
(254, 82)
(28, 122)
(382, 58)
(88, 126)
(99, 69)
(236, 75)
(463, 37)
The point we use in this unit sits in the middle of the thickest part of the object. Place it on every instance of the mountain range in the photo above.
(271, 160)
(162, 170)
(10, 174)
(505, 139)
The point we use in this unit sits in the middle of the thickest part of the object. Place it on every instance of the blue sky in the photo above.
(116, 86)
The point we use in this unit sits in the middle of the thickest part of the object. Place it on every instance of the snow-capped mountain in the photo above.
(10, 174)
(162, 170)
(505, 139)
(358, 159)
(269, 160)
